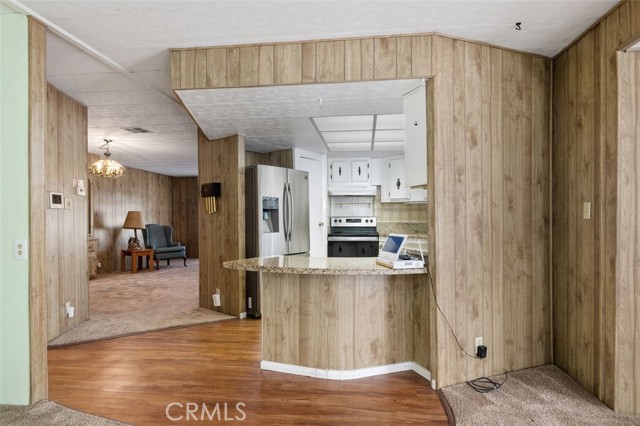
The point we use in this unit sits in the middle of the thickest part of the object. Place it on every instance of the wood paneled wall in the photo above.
(185, 196)
(492, 210)
(37, 208)
(222, 233)
(282, 158)
(326, 61)
(328, 327)
(150, 193)
(627, 386)
(66, 274)
(590, 290)
(490, 151)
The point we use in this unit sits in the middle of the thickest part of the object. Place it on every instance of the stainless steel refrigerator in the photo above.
(277, 219)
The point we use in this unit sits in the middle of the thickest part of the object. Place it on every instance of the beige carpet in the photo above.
(536, 396)
(123, 303)
(51, 414)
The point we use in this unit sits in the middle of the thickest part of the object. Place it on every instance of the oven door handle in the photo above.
(366, 239)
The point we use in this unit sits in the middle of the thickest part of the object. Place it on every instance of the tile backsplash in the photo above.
(399, 212)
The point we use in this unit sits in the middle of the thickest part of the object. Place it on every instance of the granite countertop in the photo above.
(412, 230)
(305, 265)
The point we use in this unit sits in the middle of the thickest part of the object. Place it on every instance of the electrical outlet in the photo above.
(20, 249)
(586, 210)
(99, 263)
(479, 342)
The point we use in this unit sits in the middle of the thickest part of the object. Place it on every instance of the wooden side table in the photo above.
(135, 254)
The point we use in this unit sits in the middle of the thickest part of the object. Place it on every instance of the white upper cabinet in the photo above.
(394, 185)
(415, 144)
(349, 171)
(339, 172)
(360, 171)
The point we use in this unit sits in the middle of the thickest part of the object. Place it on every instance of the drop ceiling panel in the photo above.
(344, 137)
(354, 122)
(390, 121)
(353, 146)
(389, 135)
(388, 146)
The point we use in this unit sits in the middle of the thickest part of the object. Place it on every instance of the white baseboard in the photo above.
(345, 374)
(421, 370)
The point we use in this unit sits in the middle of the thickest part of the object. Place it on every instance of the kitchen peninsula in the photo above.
(340, 318)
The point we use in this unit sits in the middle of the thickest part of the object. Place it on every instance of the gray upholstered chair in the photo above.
(159, 238)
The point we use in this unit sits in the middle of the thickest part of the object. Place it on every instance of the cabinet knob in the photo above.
(398, 183)
(339, 171)
(359, 171)
(320, 223)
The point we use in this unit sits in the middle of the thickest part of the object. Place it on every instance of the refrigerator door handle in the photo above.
(291, 212)
(285, 213)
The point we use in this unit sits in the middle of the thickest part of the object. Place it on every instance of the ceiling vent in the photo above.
(136, 130)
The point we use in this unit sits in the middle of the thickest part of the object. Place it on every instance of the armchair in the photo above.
(159, 238)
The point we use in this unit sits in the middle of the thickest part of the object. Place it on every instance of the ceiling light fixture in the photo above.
(107, 167)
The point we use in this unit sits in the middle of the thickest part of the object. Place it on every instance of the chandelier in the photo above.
(107, 167)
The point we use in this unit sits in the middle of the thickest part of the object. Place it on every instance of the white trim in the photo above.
(345, 374)
(243, 315)
(421, 371)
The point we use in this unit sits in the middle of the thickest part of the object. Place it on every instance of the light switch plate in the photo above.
(20, 249)
(586, 210)
(68, 204)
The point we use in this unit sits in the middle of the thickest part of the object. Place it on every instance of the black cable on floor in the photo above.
(486, 385)
(481, 384)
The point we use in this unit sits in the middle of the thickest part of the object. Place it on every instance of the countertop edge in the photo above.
(231, 264)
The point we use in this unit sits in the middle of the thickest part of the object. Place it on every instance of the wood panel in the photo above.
(184, 213)
(282, 158)
(288, 63)
(309, 62)
(593, 117)
(330, 64)
(37, 209)
(628, 232)
(216, 73)
(150, 193)
(384, 58)
(301, 63)
(339, 322)
(488, 232)
(222, 233)
(66, 273)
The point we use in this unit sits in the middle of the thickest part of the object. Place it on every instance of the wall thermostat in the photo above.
(56, 200)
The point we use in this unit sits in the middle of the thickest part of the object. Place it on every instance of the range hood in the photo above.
(352, 192)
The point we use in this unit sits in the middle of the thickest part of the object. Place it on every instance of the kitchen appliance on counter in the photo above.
(353, 237)
(277, 219)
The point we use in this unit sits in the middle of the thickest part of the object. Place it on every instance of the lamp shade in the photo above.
(134, 220)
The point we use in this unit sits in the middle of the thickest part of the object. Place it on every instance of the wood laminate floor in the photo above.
(133, 379)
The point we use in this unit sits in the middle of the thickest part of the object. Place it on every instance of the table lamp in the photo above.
(134, 221)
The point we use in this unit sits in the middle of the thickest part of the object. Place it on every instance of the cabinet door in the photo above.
(360, 171)
(338, 172)
(415, 128)
(396, 180)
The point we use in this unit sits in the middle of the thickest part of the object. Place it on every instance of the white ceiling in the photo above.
(278, 117)
(134, 37)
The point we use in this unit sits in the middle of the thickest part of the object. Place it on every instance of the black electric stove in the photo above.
(353, 237)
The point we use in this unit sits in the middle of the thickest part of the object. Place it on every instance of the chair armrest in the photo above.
(152, 246)
(174, 244)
